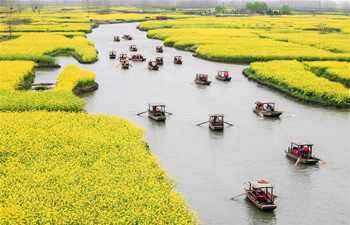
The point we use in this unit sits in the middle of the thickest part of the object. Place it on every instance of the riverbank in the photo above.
(291, 78)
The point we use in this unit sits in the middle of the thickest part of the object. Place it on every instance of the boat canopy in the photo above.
(256, 184)
(155, 104)
(217, 115)
(298, 142)
(263, 103)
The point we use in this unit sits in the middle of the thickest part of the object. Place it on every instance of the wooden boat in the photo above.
(178, 59)
(260, 193)
(152, 65)
(127, 37)
(302, 150)
(133, 48)
(159, 60)
(159, 49)
(125, 64)
(202, 79)
(267, 109)
(122, 57)
(216, 121)
(223, 75)
(156, 111)
(116, 38)
(112, 54)
(137, 57)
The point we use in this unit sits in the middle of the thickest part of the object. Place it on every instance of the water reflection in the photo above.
(256, 216)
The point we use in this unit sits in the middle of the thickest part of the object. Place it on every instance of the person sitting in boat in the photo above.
(140, 56)
(296, 151)
(226, 74)
(150, 63)
(134, 56)
(204, 77)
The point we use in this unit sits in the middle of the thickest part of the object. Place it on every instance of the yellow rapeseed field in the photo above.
(78, 168)
(37, 46)
(292, 77)
(335, 71)
(16, 75)
(257, 38)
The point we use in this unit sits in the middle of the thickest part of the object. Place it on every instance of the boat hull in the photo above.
(112, 57)
(153, 68)
(157, 118)
(137, 60)
(216, 127)
(223, 78)
(177, 62)
(260, 205)
(268, 113)
(202, 82)
(302, 160)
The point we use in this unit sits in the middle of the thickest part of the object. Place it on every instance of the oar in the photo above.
(320, 160)
(130, 65)
(229, 123)
(202, 123)
(118, 65)
(140, 113)
(169, 113)
(236, 196)
(192, 83)
(297, 161)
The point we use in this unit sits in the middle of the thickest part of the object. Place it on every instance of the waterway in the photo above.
(211, 167)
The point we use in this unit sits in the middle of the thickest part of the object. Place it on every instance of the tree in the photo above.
(11, 20)
(173, 8)
(256, 7)
(220, 8)
(285, 10)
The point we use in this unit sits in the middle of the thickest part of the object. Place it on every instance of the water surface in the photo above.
(211, 167)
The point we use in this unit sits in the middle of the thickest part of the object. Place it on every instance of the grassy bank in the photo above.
(292, 78)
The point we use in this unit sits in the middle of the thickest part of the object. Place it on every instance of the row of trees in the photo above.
(262, 8)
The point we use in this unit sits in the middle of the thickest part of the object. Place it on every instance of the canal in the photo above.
(211, 167)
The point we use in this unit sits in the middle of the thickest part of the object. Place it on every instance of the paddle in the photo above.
(202, 123)
(320, 160)
(236, 196)
(297, 161)
(118, 65)
(229, 123)
(140, 113)
(169, 113)
(130, 65)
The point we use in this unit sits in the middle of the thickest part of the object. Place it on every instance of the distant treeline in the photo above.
(196, 4)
